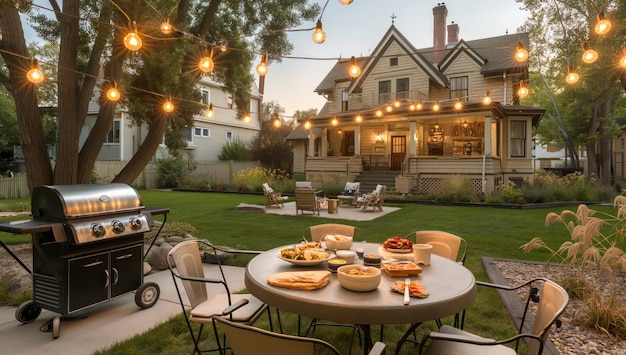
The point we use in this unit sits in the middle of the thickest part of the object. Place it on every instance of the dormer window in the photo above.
(393, 62)
(459, 88)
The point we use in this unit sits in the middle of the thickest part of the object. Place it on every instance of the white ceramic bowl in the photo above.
(338, 242)
(368, 281)
(347, 255)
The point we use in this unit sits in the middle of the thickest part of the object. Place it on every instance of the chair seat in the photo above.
(451, 348)
(215, 304)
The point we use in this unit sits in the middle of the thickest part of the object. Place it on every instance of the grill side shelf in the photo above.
(26, 226)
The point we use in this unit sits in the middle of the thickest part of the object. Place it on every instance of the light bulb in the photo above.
(589, 56)
(132, 41)
(113, 94)
(358, 118)
(354, 69)
(319, 36)
(246, 118)
(521, 54)
(334, 121)
(412, 107)
(277, 122)
(346, 2)
(487, 99)
(436, 106)
(206, 63)
(572, 77)
(35, 75)
(166, 28)
(419, 105)
(522, 91)
(622, 60)
(388, 108)
(379, 113)
(224, 46)
(603, 26)
(168, 106)
(209, 112)
(262, 69)
(458, 105)
(307, 124)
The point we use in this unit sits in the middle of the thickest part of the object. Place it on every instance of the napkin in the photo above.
(300, 280)
(390, 255)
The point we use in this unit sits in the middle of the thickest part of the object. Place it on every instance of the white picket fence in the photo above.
(16, 186)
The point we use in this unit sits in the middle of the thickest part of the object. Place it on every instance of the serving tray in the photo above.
(401, 269)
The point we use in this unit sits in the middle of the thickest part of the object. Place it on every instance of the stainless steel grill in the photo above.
(88, 247)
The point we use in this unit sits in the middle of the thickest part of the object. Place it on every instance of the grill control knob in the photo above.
(135, 223)
(118, 227)
(97, 230)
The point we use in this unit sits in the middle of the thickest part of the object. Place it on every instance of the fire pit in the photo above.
(88, 243)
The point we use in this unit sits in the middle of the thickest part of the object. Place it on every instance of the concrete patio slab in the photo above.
(344, 212)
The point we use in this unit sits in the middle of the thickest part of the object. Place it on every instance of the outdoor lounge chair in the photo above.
(306, 200)
(247, 340)
(185, 263)
(552, 302)
(374, 200)
(272, 197)
(350, 193)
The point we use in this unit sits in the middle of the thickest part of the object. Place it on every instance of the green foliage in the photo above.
(235, 150)
(457, 189)
(269, 146)
(252, 179)
(171, 171)
(12, 299)
(331, 184)
(173, 228)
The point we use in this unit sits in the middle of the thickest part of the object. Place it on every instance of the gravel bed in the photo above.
(570, 339)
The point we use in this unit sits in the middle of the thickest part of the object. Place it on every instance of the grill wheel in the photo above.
(147, 295)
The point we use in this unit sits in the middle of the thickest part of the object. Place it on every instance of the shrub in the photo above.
(171, 171)
(235, 150)
(252, 179)
(330, 183)
(173, 228)
(457, 189)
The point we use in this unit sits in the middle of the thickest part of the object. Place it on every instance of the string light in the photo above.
(168, 106)
(346, 2)
(436, 106)
(334, 121)
(307, 124)
(412, 107)
(277, 122)
(246, 118)
(379, 113)
(262, 69)
(358, 118)
(572, 77)
(319, 36)
(521, 53)
(603, 26)
(132, 41)
(209, 112)
(206, 63)
(589, 56)
(166, 28)
(419, 106)
(35, 75)
(113, 94)
(354, 69)
(458, 105)
(388, 108)
(224, 46)
(522, 91)
(622, 60)
(487, 99)
(396, 103)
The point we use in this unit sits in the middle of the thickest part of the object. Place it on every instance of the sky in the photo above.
(356, 29)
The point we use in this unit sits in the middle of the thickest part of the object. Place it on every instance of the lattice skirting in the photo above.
(435, 185)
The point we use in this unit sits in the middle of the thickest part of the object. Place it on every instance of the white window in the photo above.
(229, 101)
(206, 97)
(187, 135)
(229, 135)
(202, 132)
(459, 88)
(114, 133)
(518, 138)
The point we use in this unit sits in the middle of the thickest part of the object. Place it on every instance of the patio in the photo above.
(344, 212)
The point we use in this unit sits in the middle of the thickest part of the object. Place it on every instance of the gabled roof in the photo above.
(394, 36)
(339, 73)
(460, 48)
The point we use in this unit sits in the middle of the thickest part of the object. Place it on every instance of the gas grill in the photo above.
(88, 248)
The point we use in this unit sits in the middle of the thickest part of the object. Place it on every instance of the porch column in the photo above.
(487, 135)
(324, 152)
(357, 140)
(412, 139)
(311, 143)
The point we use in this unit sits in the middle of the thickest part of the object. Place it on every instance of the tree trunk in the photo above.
(604, 142)
(38, 168)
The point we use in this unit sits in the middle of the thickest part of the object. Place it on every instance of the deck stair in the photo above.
(369, 180)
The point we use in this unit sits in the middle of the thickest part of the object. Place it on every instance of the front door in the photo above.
(398, 152)
(347, 146)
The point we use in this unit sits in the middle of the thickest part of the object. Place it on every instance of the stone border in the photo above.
(510, 300)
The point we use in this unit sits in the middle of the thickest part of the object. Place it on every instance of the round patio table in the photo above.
(451, 289)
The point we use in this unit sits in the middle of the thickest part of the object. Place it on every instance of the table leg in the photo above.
(405, 336)
(367, 338)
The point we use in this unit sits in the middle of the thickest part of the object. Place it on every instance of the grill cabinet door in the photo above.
(126, 269)
(88, 280)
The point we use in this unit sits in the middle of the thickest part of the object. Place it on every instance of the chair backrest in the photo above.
(185, 257)
(306, 199)
(352, 187)
(552, 303)
(318, 232)
(248, 340)
(444, 244)
(267, 189)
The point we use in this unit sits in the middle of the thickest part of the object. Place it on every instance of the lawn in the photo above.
(493, 232)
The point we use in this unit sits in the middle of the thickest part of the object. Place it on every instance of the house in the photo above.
(204, 140)
(424, 115)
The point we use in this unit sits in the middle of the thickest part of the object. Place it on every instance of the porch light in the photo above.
(436, 106)
(358, 118)
(464, 123)
(458, 105)
(206, 62)
(319, 36)
(334, 121)
(262, 69)
(168, 106)
(572, 77)
(487, 99)
(603, 26)
(521, 53)
(522, 91)
(132, 41)
(35, 75)
(379, 113)
(589, 56)
(379, 137)
(209, 112)
(354, 69)
(307, 124)
(166, 28)
(113, 94)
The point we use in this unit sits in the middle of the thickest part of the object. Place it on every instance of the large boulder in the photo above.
(158, 257)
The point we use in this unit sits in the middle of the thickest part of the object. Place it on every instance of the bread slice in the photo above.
(300, 280)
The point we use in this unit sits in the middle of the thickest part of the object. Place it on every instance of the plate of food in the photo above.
(398, 245)
(304, 255)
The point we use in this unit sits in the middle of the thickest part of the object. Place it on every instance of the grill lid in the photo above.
(63, 202)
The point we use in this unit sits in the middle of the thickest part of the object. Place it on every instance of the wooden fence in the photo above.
(16, 186)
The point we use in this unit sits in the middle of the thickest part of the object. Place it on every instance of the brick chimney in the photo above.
(453, 33)
(440, 14)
